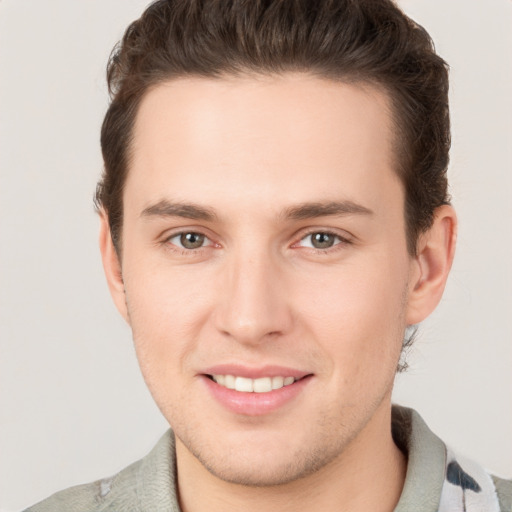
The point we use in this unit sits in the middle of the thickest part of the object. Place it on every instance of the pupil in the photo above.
(322, 240)
(192, 240)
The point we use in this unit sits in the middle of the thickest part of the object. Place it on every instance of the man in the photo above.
(274, 222)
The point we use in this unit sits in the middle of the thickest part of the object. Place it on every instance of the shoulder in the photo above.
(441, 479)
(95, 496)
(504, 492)
(144, 485)
(468, 482)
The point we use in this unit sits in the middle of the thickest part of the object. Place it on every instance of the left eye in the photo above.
(189, 240)
(320, 240)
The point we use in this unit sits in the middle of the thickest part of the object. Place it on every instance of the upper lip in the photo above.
(255, 372)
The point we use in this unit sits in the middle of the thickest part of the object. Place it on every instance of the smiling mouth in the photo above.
(247, 385)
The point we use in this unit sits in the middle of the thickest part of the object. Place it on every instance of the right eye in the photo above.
(189, 240)
(322, 240)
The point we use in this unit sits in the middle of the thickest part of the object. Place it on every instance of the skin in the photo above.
(249, 150)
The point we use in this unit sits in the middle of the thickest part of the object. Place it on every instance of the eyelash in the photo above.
(342, 241)
(182, 251)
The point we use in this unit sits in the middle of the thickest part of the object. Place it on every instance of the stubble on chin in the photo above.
(323, 445)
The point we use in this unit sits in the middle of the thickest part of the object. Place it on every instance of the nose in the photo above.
(252, 305)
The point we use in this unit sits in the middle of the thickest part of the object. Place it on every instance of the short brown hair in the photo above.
(346, 40)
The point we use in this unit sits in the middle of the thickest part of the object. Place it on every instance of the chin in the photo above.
(264, 473)
(266, 464)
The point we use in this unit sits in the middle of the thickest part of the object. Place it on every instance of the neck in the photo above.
(368, 475)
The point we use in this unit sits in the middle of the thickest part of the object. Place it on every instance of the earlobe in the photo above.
(432, 264)
(112, 266)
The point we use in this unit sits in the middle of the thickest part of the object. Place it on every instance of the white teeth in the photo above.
(229, 381)
(245, 385)
(277, 382)
(263, 385)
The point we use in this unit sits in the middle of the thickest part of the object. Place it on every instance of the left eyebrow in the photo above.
(165, 208)
(306, 211)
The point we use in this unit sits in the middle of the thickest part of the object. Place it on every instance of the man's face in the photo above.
(264, 239)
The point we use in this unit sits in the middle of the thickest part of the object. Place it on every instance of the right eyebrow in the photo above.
(165, 208)
(319, 209)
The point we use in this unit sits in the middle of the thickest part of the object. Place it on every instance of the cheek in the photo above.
(356, 314)
(167, 310)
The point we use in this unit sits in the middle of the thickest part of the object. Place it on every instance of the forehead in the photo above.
(259, 137)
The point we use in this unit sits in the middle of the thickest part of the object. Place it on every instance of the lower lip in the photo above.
(255, 404)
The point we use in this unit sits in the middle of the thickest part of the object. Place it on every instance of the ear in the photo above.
(431, 265)
(112, 267)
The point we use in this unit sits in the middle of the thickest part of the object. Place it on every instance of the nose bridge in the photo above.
(253, 304)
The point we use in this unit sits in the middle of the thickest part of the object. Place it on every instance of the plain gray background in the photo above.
(73, 407)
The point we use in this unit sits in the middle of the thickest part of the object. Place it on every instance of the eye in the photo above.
(321, 240)
(189, 240)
